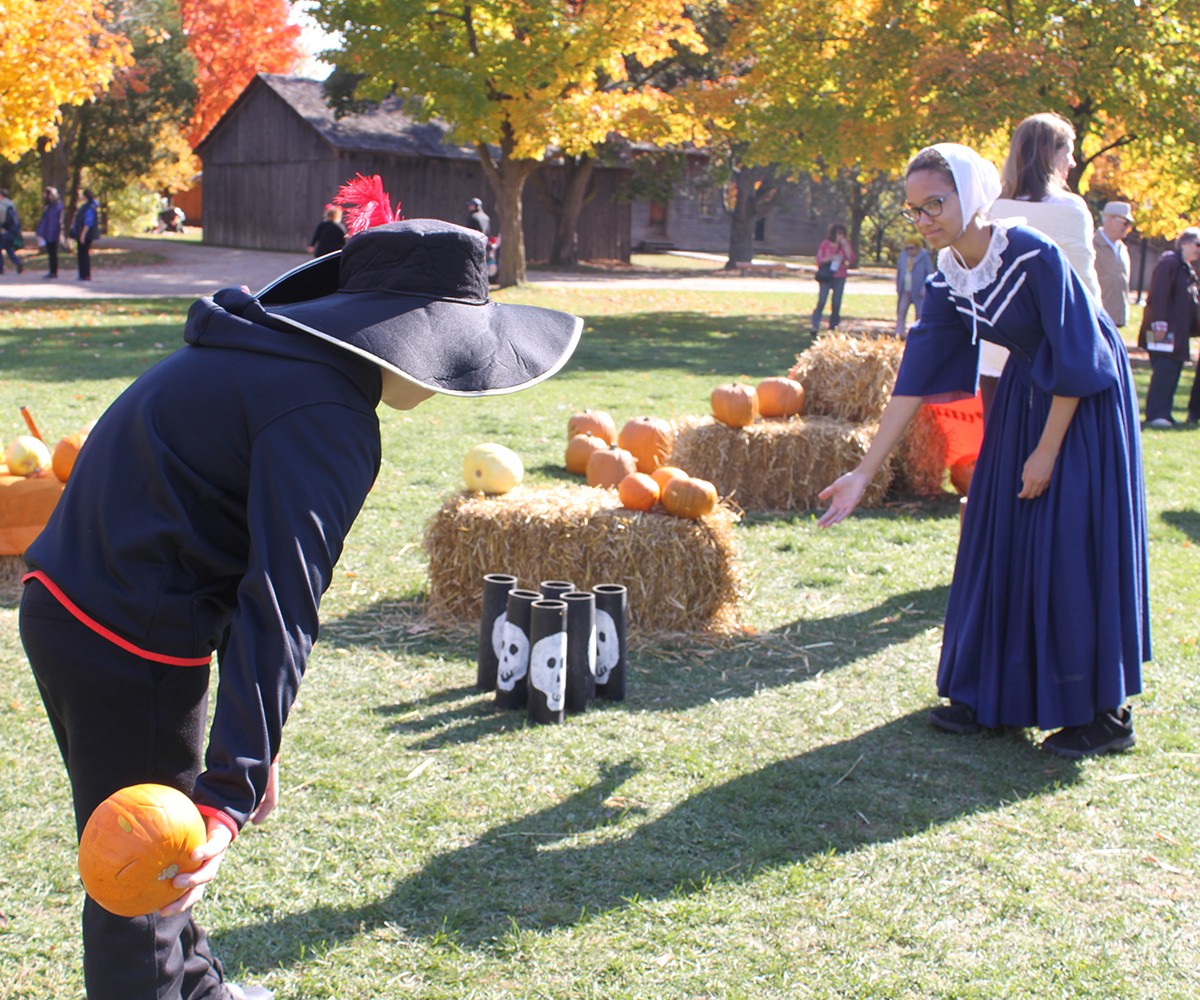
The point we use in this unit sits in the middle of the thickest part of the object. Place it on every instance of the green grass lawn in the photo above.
(767, 816)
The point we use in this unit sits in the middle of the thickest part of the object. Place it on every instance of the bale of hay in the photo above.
(682, 575)
(920, 465)
(12, 568)
(776, 464)
(849, 375)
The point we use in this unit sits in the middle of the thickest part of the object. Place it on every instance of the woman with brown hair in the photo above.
(1033, 192)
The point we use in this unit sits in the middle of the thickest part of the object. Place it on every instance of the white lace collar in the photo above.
(969, 280)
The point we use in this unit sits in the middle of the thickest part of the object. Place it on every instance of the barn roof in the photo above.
(385, 129)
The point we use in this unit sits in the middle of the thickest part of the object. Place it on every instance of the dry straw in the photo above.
(849, 375)
(683, 575)
(776, 464)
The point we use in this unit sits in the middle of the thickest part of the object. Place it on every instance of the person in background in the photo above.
(222, 543)
(1047, 620)
(1112, 259)
(1033, 191)
(913, 267)
(49, 228)
(477, 218)
(330, 234)
(10, 230)
(85, 230)
(835, 250)
(1169, 320)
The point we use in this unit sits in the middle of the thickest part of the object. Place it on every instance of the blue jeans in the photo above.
(835, 310)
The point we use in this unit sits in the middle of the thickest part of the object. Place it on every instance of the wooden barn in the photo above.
(278, 156)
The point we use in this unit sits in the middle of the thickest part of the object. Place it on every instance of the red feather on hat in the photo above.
(367, 204)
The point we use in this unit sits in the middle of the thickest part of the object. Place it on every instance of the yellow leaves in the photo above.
(52, 54)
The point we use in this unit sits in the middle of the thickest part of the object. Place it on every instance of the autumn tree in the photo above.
(131, 133)
(52, 55)
(529, 78)
(862, 84)
(1123, 73)
(231, 40)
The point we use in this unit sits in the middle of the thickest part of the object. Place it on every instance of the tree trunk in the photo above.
(755, 186)
(507, 179)
(567, 209)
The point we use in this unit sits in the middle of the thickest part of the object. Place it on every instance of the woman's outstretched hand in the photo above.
(843, 495)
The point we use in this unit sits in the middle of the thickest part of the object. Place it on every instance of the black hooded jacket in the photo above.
(206, 512)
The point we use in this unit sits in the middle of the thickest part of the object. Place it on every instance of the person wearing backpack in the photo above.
(10, 232)
(85, 229)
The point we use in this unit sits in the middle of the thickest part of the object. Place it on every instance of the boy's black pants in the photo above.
(121, 720)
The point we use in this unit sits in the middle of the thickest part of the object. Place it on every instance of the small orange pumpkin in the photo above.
(595, 422)
(665, 472)
(638, 491)
(134, 844)
(735, 404)
(62, 459)
(649, 440)
(689, 497)
(780, 397)
(608, 466)
(579, 450)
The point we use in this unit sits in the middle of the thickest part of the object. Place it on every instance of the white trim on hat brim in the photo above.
(328, 259)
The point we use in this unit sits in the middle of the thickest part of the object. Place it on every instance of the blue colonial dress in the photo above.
(1047, 622)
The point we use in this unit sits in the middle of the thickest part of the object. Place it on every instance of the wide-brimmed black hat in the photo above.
(413, 297)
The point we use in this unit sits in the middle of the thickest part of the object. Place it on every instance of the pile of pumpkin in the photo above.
(736, 404)
(633, 462)
(28, 455)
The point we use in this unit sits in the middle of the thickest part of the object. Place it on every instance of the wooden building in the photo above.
(278, 156)
(697, 217)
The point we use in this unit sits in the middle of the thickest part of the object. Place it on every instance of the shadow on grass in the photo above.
(886, 784)
(675, 678)
(1187, 521)
(693, 342)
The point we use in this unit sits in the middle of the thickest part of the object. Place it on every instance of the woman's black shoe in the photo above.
(954, 718)
(1108, 732)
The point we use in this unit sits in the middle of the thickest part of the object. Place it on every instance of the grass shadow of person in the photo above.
(1187, 521)
(595, 850)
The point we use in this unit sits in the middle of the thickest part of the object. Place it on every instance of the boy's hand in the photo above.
(270, 797)
(207, 857)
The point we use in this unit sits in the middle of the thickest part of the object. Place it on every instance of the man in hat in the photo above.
(205, 515)
(1112, 259)
(477, 218)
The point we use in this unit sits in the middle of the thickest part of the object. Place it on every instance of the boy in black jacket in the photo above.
(205, 514)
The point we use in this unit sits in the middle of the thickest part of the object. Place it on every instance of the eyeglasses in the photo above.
(931, 208)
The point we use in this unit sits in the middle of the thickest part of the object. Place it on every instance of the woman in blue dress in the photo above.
(1047, 622)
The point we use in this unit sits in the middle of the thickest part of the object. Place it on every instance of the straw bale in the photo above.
(776, 464)
(850, 375)
(921, 456)
(12, 568)
(683, 575)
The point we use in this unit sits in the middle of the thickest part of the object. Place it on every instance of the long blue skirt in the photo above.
(1047, 621)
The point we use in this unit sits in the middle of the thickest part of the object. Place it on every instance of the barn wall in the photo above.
(268, 175)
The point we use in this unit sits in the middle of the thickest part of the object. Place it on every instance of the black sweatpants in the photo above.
(121, 720)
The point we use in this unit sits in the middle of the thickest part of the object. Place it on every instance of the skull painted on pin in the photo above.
(547, 673)
(608, 650)
(512, 650)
